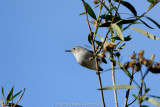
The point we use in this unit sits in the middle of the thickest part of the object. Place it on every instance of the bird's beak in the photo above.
(68, 51)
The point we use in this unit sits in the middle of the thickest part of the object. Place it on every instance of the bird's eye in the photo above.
(74, 48)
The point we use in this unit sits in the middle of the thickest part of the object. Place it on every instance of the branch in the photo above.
(127, 93)
(19, 98)
(96, 58)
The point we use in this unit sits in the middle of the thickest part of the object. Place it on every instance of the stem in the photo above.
(96, 58)
(113, 80)
(127, 93)
(19, 98)
(110, 26)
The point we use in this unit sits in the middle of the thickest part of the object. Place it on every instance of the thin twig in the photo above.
(127, 93)
(19, 98)
(96, 59)
(113, 80)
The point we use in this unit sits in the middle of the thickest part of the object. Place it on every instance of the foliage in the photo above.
(114, 41)
(9, 99)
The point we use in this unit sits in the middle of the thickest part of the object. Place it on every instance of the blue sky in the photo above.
(34, 35)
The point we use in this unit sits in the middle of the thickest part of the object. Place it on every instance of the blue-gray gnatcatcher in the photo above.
(82, 56)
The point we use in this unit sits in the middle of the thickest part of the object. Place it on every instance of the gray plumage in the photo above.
(82, 56)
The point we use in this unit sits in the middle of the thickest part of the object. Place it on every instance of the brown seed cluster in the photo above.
(155, 68)
(136, 63)
(109, 46)
(96, 1)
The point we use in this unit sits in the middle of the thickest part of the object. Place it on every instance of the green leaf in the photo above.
(122, 67)
(153, 101)
(158, 25)
(92, 8)
(146, 24)
(145, 33)
(15, 95)
(98, 42)
(135, 96)
(89, 38)
(109, 17)
(100, 37)
(129, 6)
(89, 10)
(3, 93)
(118, 31)
(144, 106)
(10, 94)
(151, 1)
(154, 96)
(13, 104)
(121, 47)
(1, 102)
(118, 23)
(128, 38)
(120, 86)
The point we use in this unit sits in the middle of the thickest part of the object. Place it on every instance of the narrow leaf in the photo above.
(10, 94)
(100, 37)
(120, 48)
(135, 96)
(153, 101)
(120, 86)
(15, 95)
(144, 106)
(158, 25)
(145, 33)
(122, 67)
(128, 38)
(92, 8)
(89, 10)
(13, 104)
(154, 96)
(118, 31)
(129, 6)
(146, 24)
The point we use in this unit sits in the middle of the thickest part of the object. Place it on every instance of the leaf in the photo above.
(129, 6)
(153, 101)
(154, 96)
(121, 47)
(13, 104)
(109, 17)
(122, 67)
(146, 24)
(145, 33)
(144, 106)
(98, 42)
(100, 37)
(1, 102)
(89, 38)
(118, 31)
(119, 22)
(158, 25)
(10, 94)
(135, 96)
(120, 86)
(151, 1)
(15, 95)
(89, 10)
(92, 8)
(128, 38)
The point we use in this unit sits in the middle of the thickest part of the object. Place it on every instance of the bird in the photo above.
(82, 56)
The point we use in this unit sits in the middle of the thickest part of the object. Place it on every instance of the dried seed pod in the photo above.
(132, 63)
(96, 1)
(118, 54)
(149, 62)
(102, 55)
(133, 56)
(140, 54)
(126, 65)
(109, 46)
(137, 67)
